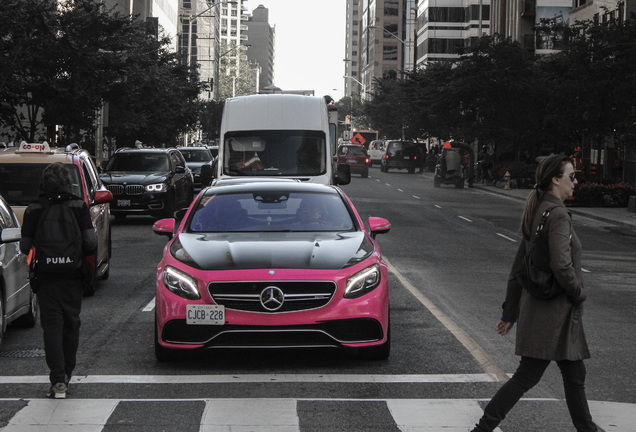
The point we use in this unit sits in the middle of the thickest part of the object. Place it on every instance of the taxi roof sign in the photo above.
(26, 147)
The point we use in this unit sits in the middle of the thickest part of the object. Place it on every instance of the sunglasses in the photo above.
(572, 177)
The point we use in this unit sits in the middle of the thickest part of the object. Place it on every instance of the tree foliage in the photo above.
(66, 58)
(501, 94)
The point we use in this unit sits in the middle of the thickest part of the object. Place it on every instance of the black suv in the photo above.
(199, 159)
(400, 155)
(150, 181)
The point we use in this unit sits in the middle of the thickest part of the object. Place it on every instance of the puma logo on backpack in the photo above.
(58, 240)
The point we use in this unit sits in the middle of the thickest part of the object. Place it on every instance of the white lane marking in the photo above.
(586, 270)
(415, 196)
(465, 218)
(507, 238)
(387, 184)
(400, 190)
(258, 378)
(614, 416)
(79, 415)
(150, 306)
(267, 415)
(485, 361)
(438, 206)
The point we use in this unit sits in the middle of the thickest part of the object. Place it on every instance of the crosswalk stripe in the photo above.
(281, 414)
(449, 415)
(269, 415)
(53, 415)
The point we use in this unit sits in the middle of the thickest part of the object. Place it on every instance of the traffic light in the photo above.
(348, 119)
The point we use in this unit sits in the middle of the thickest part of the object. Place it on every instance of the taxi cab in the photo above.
(20, 171)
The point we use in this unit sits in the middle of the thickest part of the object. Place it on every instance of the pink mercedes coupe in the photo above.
(272, 265)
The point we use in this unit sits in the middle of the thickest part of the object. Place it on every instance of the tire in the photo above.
(436, 182)
(459, 184)
(365, 174)
(370, 163)
(89, 288)
(3, 322)
(411, 170)
(30, 318)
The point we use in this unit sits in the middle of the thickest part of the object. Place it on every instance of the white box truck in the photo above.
(279, 135)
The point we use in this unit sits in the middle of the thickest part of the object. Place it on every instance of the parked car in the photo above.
(400, 155)
(18, 304)
(149, 181)
(272, 264)
(376, 150)
(20, 171)
(356, 157)
(199, 159)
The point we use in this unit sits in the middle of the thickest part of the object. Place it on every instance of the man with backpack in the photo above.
(59, 229)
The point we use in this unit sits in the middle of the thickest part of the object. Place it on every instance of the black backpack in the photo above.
(58, 239)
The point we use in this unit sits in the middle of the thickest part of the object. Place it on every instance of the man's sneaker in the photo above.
(57, 391)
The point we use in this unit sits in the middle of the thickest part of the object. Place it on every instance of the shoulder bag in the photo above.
(538, 282)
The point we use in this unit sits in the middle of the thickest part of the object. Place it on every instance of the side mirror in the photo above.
(343, 174)
(8, 235)
(379, 225)
(180, 169)
(206, 175)
(103, 196)
(215, 167)
(164, 227)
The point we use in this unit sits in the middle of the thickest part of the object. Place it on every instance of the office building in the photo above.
(260, 47)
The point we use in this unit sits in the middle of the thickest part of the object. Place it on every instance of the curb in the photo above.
(572, 210)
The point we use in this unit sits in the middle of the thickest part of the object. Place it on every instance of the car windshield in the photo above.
(196, 155)
(141, 162)
(352, 151)
(271, 212)
(275, 152)
(19, 182)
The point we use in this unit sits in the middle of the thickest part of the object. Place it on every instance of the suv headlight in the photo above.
(157, 187)
(363, 282)
(180, 283)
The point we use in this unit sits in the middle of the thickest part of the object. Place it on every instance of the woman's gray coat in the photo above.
(550, 329)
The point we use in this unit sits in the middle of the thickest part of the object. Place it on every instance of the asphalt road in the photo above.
(449, 250)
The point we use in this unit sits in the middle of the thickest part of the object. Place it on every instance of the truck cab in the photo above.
(278, 135)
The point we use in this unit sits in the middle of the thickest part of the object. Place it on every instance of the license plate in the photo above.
(123, 203)
(351, 161)
(205, 314)
(407, 157)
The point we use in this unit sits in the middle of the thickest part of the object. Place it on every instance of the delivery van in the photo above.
(278, 135)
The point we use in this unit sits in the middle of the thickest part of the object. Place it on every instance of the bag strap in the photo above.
(541, 225)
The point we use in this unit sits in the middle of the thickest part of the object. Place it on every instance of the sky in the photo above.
(309, 44)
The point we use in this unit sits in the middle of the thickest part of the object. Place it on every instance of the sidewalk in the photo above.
(616, 216)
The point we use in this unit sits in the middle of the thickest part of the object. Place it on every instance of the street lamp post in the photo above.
(404, 43)
(364, 91)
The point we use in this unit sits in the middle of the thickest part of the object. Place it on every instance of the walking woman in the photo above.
(547, 330)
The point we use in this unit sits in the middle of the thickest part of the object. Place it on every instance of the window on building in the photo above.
(390, 28)
(447, 14)
(391, 8)
(390, 52)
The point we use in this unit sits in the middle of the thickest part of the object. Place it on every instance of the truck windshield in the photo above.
(287, 153)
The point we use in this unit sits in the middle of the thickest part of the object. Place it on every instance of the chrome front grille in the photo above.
(272, 296)
(117, 189)
(134, 190)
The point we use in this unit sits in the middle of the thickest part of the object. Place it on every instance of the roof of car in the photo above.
(39, 153)
(143, 150)
(270, 186)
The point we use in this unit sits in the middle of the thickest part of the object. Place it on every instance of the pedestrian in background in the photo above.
(59, 293)
(547, 330)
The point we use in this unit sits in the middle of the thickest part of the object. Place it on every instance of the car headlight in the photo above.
(362, 282)
(157, 187)
(180, 283)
